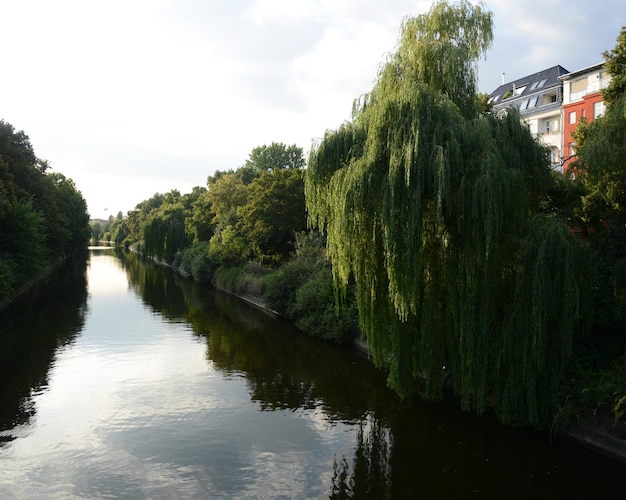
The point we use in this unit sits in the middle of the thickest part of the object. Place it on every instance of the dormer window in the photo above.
(519, 90)
(549, 99)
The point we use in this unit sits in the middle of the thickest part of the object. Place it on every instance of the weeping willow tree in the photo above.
(434, 210)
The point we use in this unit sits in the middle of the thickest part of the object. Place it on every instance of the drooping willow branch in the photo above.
(435, 212)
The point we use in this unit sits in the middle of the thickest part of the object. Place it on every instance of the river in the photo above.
(119, 379)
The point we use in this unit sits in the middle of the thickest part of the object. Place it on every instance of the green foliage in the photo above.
(7, 276)
(22, 239)
(228, 248)
(315, 311)
(282, 285)
(302, 290)
(441, 50)
(601, 165)
(163, 226)
(55, 198)
(564, 198)
(199, 225)
(250, 280)
(22, 244)
(615, 64)
(225, 197)
(42, 214)
(96, 231)
(196, 262)
(276, 156)
(254, 210)
(273, 213)
(72, 216)
(435, 210)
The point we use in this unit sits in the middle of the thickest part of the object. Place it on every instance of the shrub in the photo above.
(281, 286)
(315, 312)
(7, 276)
(196, 262)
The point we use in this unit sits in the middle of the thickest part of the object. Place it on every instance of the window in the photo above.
(571, 149)
(551, 126)
(578, 88)
(605, 79)
(495, 99)
(519, 90)
(572, 117)
(548, 99)
(538, 85)
(533, 102)
(523, 104)
(555, 158)
(598, 109)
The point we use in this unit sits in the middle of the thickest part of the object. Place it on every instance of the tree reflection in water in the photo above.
(370, 473)
(46, 318)
(403, 446)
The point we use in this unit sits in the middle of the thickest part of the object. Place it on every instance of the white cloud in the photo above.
(129, 96)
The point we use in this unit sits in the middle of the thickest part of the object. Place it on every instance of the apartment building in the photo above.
(582, 99)
(539, 98)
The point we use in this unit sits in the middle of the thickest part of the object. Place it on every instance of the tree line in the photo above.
(245, 232)
(43, 217)
(434, 228)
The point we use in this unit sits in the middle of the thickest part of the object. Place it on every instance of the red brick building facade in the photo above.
(581, 100)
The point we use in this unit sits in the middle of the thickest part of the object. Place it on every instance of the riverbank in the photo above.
(27, 286)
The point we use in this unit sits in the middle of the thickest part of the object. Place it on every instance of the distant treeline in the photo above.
(245, 233)
(43, 217)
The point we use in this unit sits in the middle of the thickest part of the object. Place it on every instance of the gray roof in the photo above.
(526, 88)
(550, 75)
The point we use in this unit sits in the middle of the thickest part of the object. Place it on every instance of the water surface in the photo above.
(123, 380)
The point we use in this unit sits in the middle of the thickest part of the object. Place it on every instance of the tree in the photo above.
(226, 196)
(22, 242)
(42, 214)
(615, 65)
(441, 50)
(199, 225)
(276, 156)
(601, 157)
(434, 209)
(96, 231)
(164, 228)
(72, 216)
(601, 164)
(274, 212)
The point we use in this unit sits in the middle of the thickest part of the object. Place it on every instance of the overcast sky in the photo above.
(133, 97)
